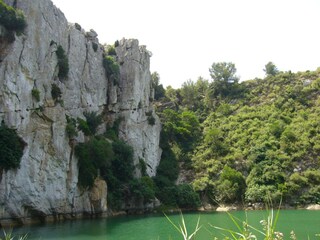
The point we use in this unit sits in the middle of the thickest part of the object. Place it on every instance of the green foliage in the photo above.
(10, 236)
(112, 69)
(120, 174)
(187, 198)
(223, 72)
(11, 18)
(93, 121)
(71, 127)
(94, 155)
(193, 95)
(271, 69)
(143, 167)
(11, 148)
(225, 82)
(83, 126)
(111, 51)
(159, 91)
(143, 188)
(182, 128)
(55, 92)
(112, 132)
(36, 94)
(63, 63)
(269, 135)
(231, 186)
(90, 125)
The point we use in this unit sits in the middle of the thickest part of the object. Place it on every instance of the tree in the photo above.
(159, 91)
(270, 69)
(224, 72)
(224, 79)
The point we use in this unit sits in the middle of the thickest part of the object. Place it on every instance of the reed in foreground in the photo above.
(243, 230)
(9, 236)
(182, 229)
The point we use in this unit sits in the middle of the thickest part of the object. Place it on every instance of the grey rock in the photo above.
(46, 182)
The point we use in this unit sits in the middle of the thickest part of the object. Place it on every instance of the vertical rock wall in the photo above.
(46, 182)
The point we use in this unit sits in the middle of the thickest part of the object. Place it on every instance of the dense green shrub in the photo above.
(122, 165)
(93, 155)
(143, 188)
(90, 125)
(55, 92)
(112, 69)
(231, 186)
(11, 148)
(36, 94)
(93, 120)
(187, 198)
(63, 63)
(119, 175)
(11, 18)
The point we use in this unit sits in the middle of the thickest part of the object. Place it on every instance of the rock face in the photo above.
(46, 182)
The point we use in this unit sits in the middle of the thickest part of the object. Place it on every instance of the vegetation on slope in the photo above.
(258, 138)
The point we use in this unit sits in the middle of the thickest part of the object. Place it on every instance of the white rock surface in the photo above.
(46, 182)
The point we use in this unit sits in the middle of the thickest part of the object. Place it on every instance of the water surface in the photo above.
(156, 227)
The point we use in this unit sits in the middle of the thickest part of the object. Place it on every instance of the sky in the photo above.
(187, 36)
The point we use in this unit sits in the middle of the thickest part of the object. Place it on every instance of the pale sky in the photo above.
(187, 36)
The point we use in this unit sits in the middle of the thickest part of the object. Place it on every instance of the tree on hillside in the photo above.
(159, 91)
(223, 72)
(224, 79)
(270, 69)
(193, 94)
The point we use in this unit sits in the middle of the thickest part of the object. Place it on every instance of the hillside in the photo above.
(259, 139)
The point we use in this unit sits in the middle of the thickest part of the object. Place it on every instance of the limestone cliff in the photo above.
(46, 182)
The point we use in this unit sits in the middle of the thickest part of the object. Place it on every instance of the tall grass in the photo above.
(182, 229)
(9, 236)
(243, 230)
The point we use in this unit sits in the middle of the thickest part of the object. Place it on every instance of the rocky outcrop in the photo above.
(140, 126)
(46, 182)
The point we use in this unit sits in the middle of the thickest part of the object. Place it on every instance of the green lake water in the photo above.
(156, 227)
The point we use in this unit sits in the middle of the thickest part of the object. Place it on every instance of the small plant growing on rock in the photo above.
(11, 148)
(112, 69)
(111, 51)
(71, 127)
(77, 26)
(55, 92)
(95, 46)
(36, 94)
(151, 119)
(63, 63)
